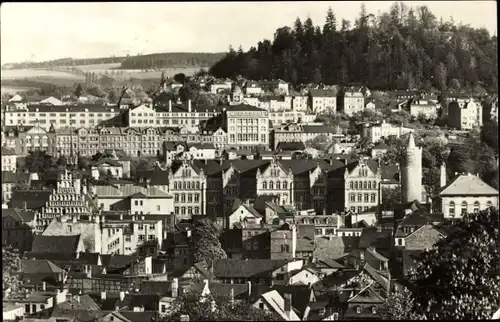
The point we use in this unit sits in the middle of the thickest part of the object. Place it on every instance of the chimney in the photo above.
(121, 216)
(288, 303)
(189, 106)
(442, 181)
(294, 240)
(74, 219)
(44, 286)
(170, 106)
(232, 296)
(103, 296)
(175, 287)
(122, 296)
(25, 206)
(249, 288)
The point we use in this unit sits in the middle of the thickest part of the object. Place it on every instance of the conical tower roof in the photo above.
(411, 142)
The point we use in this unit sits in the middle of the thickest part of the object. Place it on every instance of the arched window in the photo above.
(351, 185)
(175, 185)
(451, 209)
(278, 185)
(464, 208)
(476, 207)
(188, 185)
(369, 185)
(264, 185)
(365, 185)
(356, 185)
(285, 185)
(271, 185)
(489, 204)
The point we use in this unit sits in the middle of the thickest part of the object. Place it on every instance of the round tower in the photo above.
(411, 172)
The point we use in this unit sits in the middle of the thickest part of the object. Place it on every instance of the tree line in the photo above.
(405, 48)
(168, 60)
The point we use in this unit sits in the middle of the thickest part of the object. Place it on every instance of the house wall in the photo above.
(241, 213)
(18, 236)
(9, 163)
(154, 205)
(89, 231)
(13, 314)
(483, 200)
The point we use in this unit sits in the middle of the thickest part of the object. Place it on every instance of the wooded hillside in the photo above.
(403, 48)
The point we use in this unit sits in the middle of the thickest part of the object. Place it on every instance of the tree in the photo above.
(320, 142)
(390, 198)
(181, 78)
(215, 307)
(162, 78)
(204, 243)
(189, 91)
(78, 90)
(11, 264)
(460, 278)
(489, 134)
(399, 305)
(38, 161)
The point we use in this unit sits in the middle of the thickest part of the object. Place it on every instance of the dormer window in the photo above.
(358, 309)
(374, 310)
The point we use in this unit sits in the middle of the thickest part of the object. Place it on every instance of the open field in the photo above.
(36, 74)
(126, 74)
(11, 90)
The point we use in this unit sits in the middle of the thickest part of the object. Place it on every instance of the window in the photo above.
(136, 203)
(351, 185)
(42, 307)
(373, 197)
(451, 209)
(158, 208)
(358, 309)
(400, 241)
(264, 185)
(374, 309)
(464, 208)
(352, 197)
(366, 197)
(360, 197)
(476, 207)
(261, 305)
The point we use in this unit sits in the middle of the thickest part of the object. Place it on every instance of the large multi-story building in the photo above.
(377, 132)
(247, 126)
(300, 133)
(9, 159)
(465, 115)
(50, 116)
(351, 101)
(323, 101)
(171, 115)
(30, 138)
(362, 182)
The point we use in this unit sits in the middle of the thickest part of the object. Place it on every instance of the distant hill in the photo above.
(159, 60)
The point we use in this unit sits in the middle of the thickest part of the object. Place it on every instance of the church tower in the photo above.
(411, 172)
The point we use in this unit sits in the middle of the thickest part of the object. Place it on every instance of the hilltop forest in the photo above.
(151, 61)
(405, 48)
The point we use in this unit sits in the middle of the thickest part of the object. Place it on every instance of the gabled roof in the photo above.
(277, 303)
(468, 185)
(39, 266)
(301, 295)
(367, 295)
(34, 199)
(227, 268)
(131, 316)
(14, 177)
(19, 215)
(291, 146)
(371, 237)
(55, 244)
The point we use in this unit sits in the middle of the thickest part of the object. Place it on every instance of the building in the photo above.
(467, 193)
(9, 159)
(252, 88)
(375, 133)
(465, 115)
(351, 101)
(300, 103)
(423, 107)
(271, 86)
(9, 181)
(362, 186)
(247, 126)
(220, 85)
(47, 116)
(18, 228)
(300, 133)
(138, 198)
(30, 138)
(323, 101)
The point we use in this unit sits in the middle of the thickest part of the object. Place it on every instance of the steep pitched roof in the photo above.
(39, 266)
(301, 295)
(19, 215)
(55, 244)
(33, 199)
(367, 295)
(469, 185)
(227, 268)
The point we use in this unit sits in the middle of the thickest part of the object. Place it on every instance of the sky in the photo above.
(46, 31)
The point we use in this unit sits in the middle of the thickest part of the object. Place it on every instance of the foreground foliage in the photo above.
(460, 277)
(215, 308)
(11, 263)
